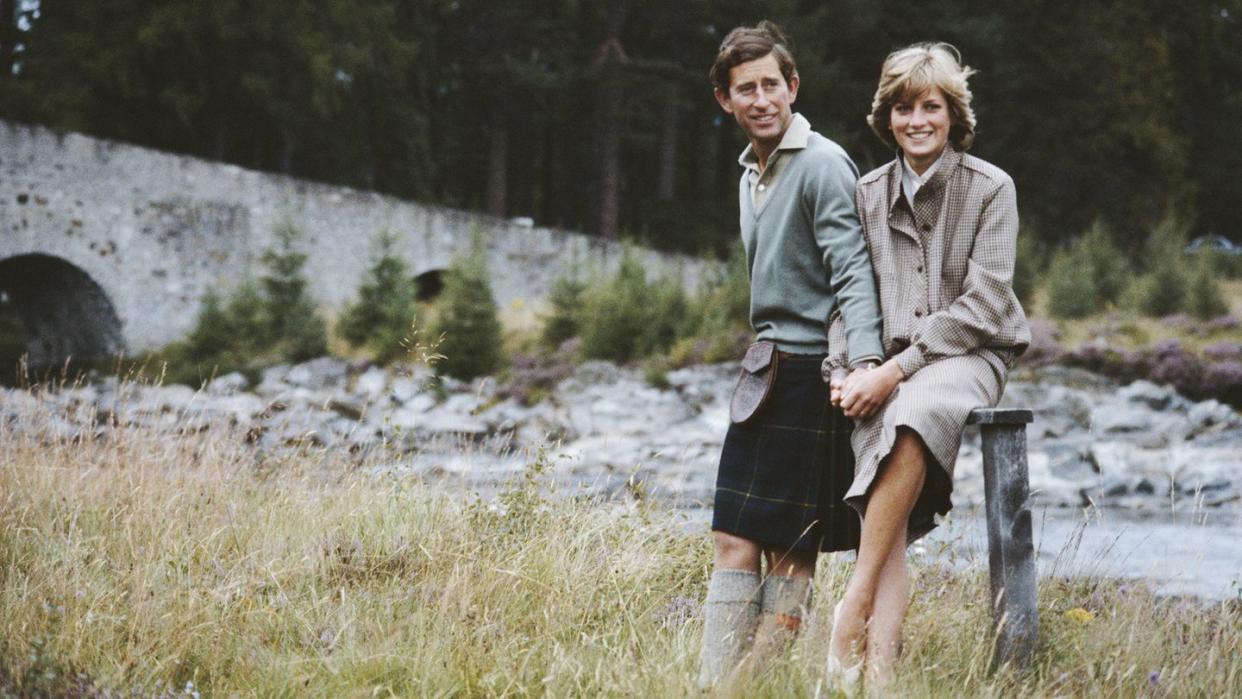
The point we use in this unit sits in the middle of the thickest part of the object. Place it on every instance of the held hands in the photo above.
(861, 393)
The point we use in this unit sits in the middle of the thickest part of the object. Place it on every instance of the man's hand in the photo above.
(836, 384)
(865, 390)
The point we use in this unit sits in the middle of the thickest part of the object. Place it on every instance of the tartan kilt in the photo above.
(782, 478)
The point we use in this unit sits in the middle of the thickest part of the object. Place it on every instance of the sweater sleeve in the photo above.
(844, 253)
(987, 297)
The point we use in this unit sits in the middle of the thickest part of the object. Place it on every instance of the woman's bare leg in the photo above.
(892, 597)
(893, 495)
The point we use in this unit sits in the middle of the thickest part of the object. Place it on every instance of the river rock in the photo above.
(1209, 417)
(318, 374)
(371, 384)
(227, 385)
(1153, 396)
(606, 430)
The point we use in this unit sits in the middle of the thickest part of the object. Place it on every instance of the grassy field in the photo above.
(144, 564)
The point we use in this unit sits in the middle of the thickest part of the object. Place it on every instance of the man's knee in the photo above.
(735, 552)
(794, 563)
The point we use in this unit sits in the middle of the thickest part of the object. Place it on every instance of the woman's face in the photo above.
(921, 128)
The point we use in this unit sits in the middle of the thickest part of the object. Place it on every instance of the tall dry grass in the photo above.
(142, 562)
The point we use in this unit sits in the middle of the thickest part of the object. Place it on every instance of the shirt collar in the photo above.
(934, 178)
(797, 134)
(913, 177)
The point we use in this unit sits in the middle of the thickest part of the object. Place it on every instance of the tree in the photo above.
(289, 312)
(468, 321)
(383, 317)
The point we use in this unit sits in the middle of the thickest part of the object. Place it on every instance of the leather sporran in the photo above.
(755, 382)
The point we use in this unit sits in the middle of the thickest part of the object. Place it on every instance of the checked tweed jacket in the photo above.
(944, 270)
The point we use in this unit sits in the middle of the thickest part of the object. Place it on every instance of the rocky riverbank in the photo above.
(606, 430)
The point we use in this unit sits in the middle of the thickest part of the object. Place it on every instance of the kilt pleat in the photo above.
(782, 479)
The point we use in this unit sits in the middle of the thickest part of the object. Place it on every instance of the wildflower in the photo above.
(1154, 677)
(1080, 615)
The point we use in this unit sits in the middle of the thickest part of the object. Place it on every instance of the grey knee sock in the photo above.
(730, 615)
(785, 601)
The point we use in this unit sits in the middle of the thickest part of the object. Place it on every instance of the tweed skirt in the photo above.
(782, 478)
(934, 402)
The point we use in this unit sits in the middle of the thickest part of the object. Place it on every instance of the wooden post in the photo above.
(1011, 553)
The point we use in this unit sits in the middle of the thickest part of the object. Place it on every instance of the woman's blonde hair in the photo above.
(909, 72)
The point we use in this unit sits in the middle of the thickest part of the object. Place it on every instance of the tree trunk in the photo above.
(727, 169)
(610, 55)
(666, 189)
(707, 141)
(370, 145)
(9, 36)
(218, 143)
(286, 155)
(609, 161)
(522, 201)
(553, 152)
(497, 162)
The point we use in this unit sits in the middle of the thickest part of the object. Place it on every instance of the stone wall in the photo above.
(157, 231)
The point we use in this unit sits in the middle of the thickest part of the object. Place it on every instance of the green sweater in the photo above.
(806, 255)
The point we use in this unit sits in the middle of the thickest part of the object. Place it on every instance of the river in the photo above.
(1184, 554)
(1187, 553)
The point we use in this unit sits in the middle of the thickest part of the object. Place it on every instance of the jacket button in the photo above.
(926, 226)
(919, 268)
(918, 313)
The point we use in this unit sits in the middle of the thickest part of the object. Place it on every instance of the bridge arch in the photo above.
(60, 309)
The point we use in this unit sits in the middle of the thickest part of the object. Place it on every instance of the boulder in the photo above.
(227, 385)
(319, 374)
(371, 384)
(1210, 416)
(1154, 397)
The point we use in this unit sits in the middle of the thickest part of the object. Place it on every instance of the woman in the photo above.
(941, 228)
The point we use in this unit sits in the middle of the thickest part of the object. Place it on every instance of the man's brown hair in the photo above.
(745, 44)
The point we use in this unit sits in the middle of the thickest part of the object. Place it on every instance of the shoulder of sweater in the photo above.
(821, 149)
(982, 168)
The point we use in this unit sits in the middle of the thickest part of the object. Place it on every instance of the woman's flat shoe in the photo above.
(838, 674)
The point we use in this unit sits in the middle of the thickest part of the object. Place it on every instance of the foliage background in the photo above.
(597, 115)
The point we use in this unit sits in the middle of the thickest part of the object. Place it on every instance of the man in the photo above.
(782, 476)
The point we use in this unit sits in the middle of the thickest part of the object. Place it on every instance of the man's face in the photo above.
(760, 100)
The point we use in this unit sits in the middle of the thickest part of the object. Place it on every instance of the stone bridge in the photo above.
(107, 247)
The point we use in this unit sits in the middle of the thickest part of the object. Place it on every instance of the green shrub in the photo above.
(1163, 290)
(724, 301)
(1087, 276)
(12, 343)
(1108, 267)
(1204, 298)
(719, 327)
(292, 324)
(258, 326)
(626, 317)
(1029, 264)
(670, 315)
(384, 314)
(565, 298)
(1071, 291)
(468, 321)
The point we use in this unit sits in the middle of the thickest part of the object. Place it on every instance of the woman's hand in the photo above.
(865, 390)
(836, 385)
